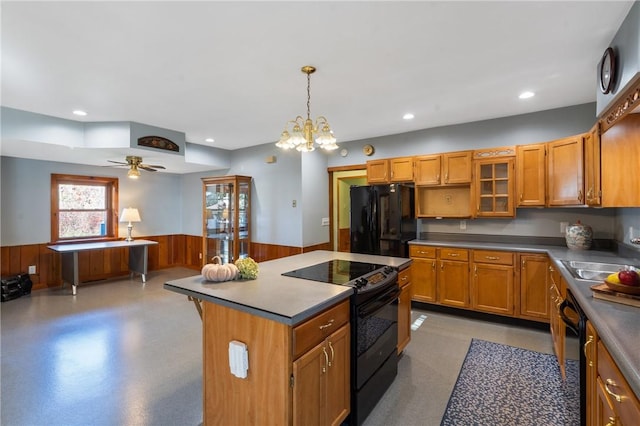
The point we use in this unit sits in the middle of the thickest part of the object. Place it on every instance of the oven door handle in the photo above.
(379, 303)
(566, 304)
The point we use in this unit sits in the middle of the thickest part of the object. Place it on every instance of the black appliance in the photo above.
(15, 287)
(374, 326)
(382, 219)
(575, 319)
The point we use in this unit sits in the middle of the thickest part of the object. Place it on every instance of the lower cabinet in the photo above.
(557, 326)
(321, 382)
(534, 287)
(423, 280)
(404, 308)
(591, 359)
(492, 282)
(297, 375)
(453, 277)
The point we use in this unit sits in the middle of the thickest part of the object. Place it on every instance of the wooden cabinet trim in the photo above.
(316, 329)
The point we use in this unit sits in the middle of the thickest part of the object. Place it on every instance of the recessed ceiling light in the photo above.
(80, 113)
(526, 95)
(408, 116)
(209, 140)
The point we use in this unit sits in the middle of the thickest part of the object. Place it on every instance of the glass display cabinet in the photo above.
(227, 217)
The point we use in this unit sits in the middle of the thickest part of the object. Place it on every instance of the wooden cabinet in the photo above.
(620, 151)
(391, 170)
(297, 375)
(492, 282)
(591, 359)
(423, 282)
(557, 326)
(565, 178)
(321, 387)
(226, 204)
(494, 182)
(534, 288)
(443, 201)
(593, 190)
(453, 277)
(531, 175)
(616, 403)
(404, 308)
(452, 168)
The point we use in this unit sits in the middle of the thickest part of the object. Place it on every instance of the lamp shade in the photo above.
(130, 215)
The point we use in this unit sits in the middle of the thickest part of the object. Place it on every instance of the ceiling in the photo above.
(231, 70)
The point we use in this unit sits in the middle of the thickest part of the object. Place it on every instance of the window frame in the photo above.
(111, 193)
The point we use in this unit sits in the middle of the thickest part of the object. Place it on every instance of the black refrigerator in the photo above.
(382, 219)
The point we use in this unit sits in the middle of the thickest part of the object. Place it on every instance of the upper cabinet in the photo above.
(531, 175)
(226, 213)
(565, 178)
(592, 166)
(452, 168)
(391, 170)
(494, 182)
(620, 151)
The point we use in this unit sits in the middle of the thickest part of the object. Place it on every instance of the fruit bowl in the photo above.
(623, 288)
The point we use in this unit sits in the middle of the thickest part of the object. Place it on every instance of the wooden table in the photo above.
(138, 257)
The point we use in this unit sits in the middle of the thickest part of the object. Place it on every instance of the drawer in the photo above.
(422, 251)
(496, 257)
(626, 406)
(454, 254)
(315, 330)
(404, 277)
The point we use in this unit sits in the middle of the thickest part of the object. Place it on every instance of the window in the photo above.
(83, 208)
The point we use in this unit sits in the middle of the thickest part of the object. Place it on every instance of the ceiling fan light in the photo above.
(133, 172)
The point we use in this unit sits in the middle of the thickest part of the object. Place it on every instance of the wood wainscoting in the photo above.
(171, 251)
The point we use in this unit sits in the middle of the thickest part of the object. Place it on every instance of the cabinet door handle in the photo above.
(326, 359)
(580, 195)
(584, 349)
(442, 266)
(551, 269)
(608, 383)
(612, 421)
(332, 354)
(492, 257)
(446, 177)
(327, 325)
(521, 197)
(438, 178)
(433, 265)
(524, 263)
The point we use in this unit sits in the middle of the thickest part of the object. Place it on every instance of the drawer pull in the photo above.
(326, 359)
(608, 383)
(333, 354)
(550, 268)
(433, 265)
(327, 325)
(492, 257)
(404, 278)
(584, 349)
(453, 254)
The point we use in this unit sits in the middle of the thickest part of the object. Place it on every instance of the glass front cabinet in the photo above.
(227, 217)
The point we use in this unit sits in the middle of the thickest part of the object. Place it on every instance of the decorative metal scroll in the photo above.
(158, 142)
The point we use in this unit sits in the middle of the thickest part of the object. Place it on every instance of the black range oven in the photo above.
(374, 326)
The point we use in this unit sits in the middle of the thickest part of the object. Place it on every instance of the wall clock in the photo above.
(368, 150)
(607, 71)
(344, 152)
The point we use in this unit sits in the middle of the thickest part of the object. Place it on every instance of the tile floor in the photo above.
(123, 353)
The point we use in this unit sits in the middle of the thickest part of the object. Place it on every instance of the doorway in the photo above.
(341, 205)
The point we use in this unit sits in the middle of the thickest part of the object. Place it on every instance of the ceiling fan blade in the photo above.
(149, 169)
(118, 162)
(155, 166)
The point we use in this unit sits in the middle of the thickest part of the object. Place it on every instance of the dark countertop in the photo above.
(617, 324)
(283, 299)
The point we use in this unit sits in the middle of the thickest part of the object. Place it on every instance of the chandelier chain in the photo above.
(308, 96)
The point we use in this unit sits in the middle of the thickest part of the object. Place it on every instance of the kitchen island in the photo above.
(297, 338)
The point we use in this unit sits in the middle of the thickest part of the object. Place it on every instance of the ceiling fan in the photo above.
(134, 162)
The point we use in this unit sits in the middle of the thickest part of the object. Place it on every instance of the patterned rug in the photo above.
(504, 385)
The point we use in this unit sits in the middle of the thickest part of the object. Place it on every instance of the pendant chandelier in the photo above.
(303, 131)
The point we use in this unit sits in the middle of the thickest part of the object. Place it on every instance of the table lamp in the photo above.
(129, 215)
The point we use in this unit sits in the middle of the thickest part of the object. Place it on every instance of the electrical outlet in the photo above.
(563, 227)
(463, 224)
(199, 255)
(325, 221)
(293, 203)
(32, 269)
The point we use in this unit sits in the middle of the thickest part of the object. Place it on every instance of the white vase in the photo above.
(579, 236)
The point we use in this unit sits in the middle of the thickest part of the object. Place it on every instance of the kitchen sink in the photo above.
(592, 271)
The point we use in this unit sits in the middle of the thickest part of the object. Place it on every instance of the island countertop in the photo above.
(284, 299)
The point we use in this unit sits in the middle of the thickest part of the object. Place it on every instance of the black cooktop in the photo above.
(334, 271)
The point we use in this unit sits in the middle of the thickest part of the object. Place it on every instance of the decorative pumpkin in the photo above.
(216, 271)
